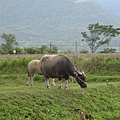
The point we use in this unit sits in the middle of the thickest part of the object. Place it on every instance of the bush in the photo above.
(38, 78)
(15, 65)
(93, 65)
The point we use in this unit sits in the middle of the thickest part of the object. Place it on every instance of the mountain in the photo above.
(112, 5)
(39, 22)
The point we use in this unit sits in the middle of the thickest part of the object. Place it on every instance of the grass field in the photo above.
(101, 98)
(21, 102)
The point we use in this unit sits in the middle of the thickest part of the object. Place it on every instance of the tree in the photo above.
(83, 51)
(108, 50)
(30, 50)
(99, 35)
(54, 49)
(44, 49)
(10, 41)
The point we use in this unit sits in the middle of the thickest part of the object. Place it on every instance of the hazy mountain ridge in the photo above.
(37, 22)
(112, 5)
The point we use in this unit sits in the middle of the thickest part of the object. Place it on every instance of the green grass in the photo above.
(21, 79)
(97, 79)
(20, 102)
(39, 103)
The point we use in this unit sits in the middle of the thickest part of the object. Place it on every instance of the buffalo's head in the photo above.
(81, 79)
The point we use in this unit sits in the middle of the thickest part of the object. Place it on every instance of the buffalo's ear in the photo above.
(76, 74)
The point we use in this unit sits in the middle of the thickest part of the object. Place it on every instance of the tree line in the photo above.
(96, 36)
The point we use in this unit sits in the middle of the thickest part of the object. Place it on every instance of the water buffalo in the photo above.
(34, 67)
(59, 66)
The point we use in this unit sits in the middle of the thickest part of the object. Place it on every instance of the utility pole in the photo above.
(76, 46)
(50, 48)
(119, 47)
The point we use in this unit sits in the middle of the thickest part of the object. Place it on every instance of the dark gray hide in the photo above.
(59, 66)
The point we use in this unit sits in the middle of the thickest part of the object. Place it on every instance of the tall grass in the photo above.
(15, 65)
(92, 65)
(98, 65)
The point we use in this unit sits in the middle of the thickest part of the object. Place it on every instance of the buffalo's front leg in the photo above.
(66, 85)
(52, 82)
(60, 84)
(47, 83)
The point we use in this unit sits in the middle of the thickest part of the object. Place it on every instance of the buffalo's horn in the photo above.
(79, 72)
(83, 73)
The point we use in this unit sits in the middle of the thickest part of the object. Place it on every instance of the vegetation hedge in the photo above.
(94, 67)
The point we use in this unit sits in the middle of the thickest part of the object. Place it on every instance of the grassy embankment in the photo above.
(101, 98)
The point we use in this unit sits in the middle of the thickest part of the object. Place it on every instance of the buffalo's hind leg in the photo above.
(30, 81)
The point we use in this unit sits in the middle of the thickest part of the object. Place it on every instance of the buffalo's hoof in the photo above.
(48, 87)
(30, 84)
(66, 88)
(60, 88)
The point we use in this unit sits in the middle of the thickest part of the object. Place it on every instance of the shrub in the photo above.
(97, 65)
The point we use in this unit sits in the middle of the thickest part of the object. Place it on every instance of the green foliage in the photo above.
(39, 103)
(15, 65)
(18, 50)
(97, 79)
(54, 49)
(108, 50)
(83, 51)
(97, 68)
(13, 80)
(19, 101)
(99, 35)
(30, 50)
(95, 65)
(38, 78)
(10, 41)
(99, 65)
(44, 49)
